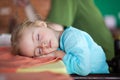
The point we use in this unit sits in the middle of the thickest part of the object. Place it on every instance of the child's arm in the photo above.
(58, 54)
(83, 56)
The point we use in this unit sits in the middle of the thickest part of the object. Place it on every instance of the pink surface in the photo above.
(10, 62)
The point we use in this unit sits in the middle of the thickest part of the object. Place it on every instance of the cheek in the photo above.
(52, 38)
(54, 43)
(26, 48)
(48, 50)
(26, 51)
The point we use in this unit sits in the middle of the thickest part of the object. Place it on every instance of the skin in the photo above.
(39, 41)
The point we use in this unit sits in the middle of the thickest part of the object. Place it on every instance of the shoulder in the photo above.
(70, 30)
(74, 32)
(70, 34)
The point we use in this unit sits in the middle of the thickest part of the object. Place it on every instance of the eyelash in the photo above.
(39, 51)
(38, 37)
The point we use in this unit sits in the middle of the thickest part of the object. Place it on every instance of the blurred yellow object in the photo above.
(57, 67)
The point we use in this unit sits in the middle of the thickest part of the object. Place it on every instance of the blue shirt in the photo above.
(83, 56)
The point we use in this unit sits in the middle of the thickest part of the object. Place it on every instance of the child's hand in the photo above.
(59, 54)
(48, 55)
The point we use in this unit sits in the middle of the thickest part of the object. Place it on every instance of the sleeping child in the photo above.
(79, 52)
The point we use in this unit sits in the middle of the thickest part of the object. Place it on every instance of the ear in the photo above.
(41, 23)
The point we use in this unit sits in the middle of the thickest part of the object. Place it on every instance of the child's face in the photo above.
(37, 41)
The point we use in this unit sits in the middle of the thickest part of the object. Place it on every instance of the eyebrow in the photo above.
(33, 36)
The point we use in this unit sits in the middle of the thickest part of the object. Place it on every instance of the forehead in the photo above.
(26, 43)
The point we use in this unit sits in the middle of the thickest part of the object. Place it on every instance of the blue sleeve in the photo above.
(77, 58)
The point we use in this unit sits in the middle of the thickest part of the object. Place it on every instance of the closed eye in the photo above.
(37, 52)
(38, 37)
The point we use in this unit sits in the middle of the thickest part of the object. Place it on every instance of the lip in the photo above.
(50, 44)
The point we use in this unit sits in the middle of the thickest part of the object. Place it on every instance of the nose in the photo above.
(44, 44)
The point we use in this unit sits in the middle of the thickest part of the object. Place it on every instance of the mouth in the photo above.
(50, 44)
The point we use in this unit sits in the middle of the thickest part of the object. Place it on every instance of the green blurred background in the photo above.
(110, 8)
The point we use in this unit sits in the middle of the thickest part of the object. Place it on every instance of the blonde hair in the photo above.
(17, 34)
